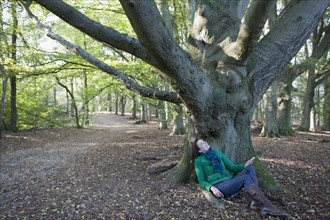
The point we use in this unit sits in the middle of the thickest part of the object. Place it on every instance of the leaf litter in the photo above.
(95, 173)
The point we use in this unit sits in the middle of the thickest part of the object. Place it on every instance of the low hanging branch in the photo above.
(127, 82)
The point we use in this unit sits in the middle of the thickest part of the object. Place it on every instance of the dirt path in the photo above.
(55, 150)
(87, 173)
(96, 173)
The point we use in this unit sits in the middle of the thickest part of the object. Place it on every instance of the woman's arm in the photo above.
(230, 165)
(201, 175)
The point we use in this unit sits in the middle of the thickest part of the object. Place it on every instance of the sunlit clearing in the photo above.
(289, 163)
(132, 131)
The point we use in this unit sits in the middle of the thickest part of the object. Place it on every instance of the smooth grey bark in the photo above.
(122, 105)
(144, 116)
(86, 101)
(326, 106)
(225, 73)
(285, 102)
(116, 103)
(134, 107)
(161, 121)
(3, 96)
(308, 101)
(270, 127)
(178, 125)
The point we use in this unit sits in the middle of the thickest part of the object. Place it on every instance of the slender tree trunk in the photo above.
(308, 101)
(86, 102)
(134, 107)
(109, 102)
(13, 79)
(270, 128)
(73, 102)
(178, 126)
(3, 97)
(312, 120)
(149, 112)
(143, 112)
(122, 104)
(326, 106)
(162, 123)
(285, 106)
(116, 103)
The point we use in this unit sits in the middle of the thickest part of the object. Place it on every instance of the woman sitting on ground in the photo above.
(214, 173)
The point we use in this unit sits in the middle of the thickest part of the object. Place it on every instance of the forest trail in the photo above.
(55, 149)
(97, 173)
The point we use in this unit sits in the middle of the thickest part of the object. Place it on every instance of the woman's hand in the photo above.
(216, 192)
(249, 162)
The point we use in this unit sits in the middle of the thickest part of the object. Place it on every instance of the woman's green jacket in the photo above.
(206, 174)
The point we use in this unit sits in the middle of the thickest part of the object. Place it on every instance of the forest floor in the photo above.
(99, 173)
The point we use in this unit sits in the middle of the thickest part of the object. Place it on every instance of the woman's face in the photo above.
(203, 146)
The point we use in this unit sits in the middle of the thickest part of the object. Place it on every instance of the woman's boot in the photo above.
(255, 205)
(268, 207)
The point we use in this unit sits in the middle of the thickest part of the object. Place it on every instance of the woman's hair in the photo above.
(194, 149)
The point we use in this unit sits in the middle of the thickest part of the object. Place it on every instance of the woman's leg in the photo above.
(249, 170)
(234, 185)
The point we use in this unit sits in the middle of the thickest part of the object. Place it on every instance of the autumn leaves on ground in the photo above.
(99, 172)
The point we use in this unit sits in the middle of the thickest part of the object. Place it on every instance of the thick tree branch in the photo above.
(128, 83)
(153, 34)
(322, 44)
(94, 29)
(256, 14)
(279, 46)
(322, 77)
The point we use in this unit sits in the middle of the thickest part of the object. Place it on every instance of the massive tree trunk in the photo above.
(226, 71)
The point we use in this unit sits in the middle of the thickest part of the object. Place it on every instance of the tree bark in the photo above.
(308, 102)
(178, 125)
(326, 106)
(13, 79)
(3, 96)
(161, 121)
(270, 127)
(122, 105)
(133, 107)
(285, 103)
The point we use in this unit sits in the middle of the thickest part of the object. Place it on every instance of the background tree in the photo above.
(326, 105)
(12, 76)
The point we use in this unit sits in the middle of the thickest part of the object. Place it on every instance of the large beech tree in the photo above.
(221, 75)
